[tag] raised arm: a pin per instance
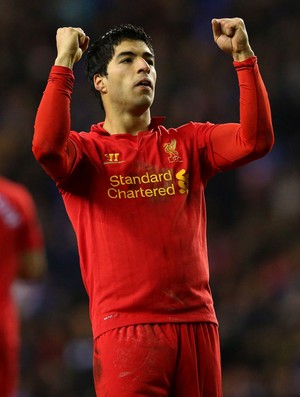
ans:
(235, 144)
(51, 146)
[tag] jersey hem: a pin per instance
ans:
(134, 320)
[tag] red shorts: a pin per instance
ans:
(161, 360)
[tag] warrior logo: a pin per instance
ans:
(112, 158)
(170, 148)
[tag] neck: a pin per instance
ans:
(127, 123)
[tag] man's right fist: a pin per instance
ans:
(71, 44)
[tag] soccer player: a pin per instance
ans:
(134, 192)
(21, 256)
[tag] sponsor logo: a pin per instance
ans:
(183, 181)
(148, 185)
(170, 148)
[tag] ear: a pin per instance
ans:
(100, 83)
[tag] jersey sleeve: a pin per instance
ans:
(233, 144)
(31, 236)
(51, 145)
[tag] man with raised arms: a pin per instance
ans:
(143, 252)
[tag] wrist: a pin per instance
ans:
(243, 55)
(64, 60)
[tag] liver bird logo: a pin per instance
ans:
(170, 148)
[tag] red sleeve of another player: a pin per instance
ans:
(31, 236)
(51, 146)
(233, 144)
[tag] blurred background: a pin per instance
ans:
(253, 212)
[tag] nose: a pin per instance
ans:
(143, 66)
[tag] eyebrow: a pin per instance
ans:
(146, 54)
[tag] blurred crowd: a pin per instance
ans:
(253, 212)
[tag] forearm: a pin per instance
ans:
(236, 144)
(52, 125)
(255, 113)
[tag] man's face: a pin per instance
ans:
(131, 77)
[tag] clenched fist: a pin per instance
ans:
(71, 44)
(231, 36)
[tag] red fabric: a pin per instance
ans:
(9, 350)
(137, 202)
(176, 360)
(19, 232)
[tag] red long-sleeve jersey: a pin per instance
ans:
(137, 202)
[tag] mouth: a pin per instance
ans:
(144, 83)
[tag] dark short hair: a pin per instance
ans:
(102, 50)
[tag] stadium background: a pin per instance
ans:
(253, 228)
